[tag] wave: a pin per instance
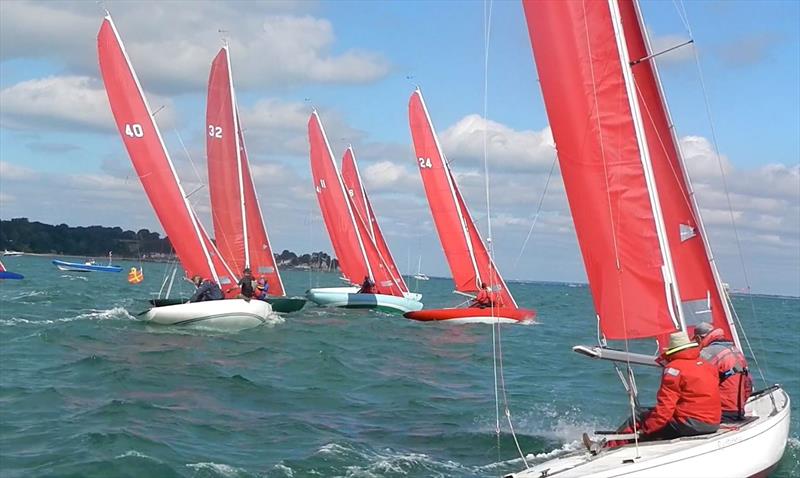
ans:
(217, 469)
(116, 313)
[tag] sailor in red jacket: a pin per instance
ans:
(687, 403)
(735, 384)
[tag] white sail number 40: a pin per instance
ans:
(215, 131)
(134, 130)
(424, 162)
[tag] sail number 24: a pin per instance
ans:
(424, 162)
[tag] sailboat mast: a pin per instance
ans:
(668, 269)
(687, 180)
(238, 157)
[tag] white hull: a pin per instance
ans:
(751, 450)
(229, 314)
(348, 297)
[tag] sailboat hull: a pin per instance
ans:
(229, 314)
(503, 315)
(751, 449)
(349, 298)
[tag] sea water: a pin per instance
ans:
(88, 390)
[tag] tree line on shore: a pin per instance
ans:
(20, 234)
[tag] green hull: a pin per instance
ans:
(279, 304)
(286, 304)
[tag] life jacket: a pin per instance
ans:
(135, 276)
(689, 391)
(735, 384)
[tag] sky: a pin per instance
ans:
(357, 62)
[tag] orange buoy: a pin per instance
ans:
(135, 276)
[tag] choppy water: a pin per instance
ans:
(87, 390)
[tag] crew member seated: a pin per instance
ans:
(206, 290)
(367, 287)
(687, 402)
(735, 384)
(486, 298)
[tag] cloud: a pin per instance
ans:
(510, 149)
(64, 103)
(171, 46)
(662, 43)
(748, 50)
(13, 172)
(47, 147)
(388, 175)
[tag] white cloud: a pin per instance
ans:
(69, 103)
(171, 44)
(513, 150)
(388, 175)
(14, 172)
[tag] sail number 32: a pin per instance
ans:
(215, 131)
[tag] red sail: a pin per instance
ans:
(238, 226)
(466, 254)
(363, 208)
(357, 258)
(700, 296)
(153, 165)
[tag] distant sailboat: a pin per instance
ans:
(419, 275)
(645, 249)
(359, 257)
(466, 254)
(196, 252)
(239, 229)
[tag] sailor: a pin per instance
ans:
(206, 290)
(262, 286)
(367, 287)
(687, 403)
(485, 297)
(735, 384)
(246, 289)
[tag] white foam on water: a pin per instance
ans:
(116, 313)
(284, 469)
(386, 461)
(220, 468)
(74, 277)
(136, 454)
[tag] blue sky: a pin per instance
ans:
(358, 62)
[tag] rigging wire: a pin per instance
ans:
(538, 211)
(497, 348)
(681, 7)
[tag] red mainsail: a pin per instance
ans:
(363, 208)
(358, 258)
(641, 237)
(466, 253)
(238, 225)
(142, 139)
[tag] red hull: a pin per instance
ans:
(472, 315)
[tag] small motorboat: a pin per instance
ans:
(7, 253)
(87, 266)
